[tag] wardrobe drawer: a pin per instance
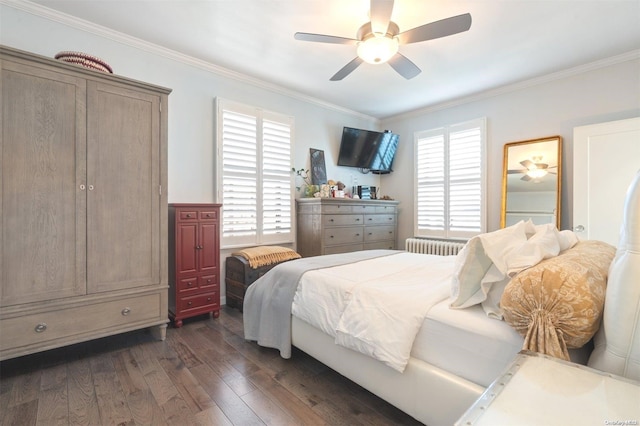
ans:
(342, 219)
(45, 326)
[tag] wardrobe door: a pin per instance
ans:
(123, 200)
(42, 173)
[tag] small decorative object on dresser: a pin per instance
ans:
(194, 257)
(242, 268)
(342, 225)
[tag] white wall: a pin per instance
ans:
(191, 104)
(550, 106)
(195, 86)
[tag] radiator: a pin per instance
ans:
(427, 246)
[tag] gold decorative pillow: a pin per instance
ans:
(558, 303)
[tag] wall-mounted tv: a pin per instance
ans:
(368, 149)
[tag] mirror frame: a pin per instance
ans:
(505, 169)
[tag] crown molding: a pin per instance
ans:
(508, 88)
(90, 27)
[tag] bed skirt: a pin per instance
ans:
(427, 393)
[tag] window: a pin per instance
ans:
(450, 181)
(254, 175)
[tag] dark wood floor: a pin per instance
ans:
(205, 373)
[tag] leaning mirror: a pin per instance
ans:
(531, 181)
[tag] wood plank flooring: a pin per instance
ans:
(204, 373)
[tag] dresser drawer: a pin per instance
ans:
(65, 323)
(203, 301)
(208, 282)
(208, 214)
(364, 209)
(336, 208)
(345, 248)
(380, 219)
(382, 245)
(342, 219)
(375, 233)
(188, 215)
(354, 234)
(385, 209)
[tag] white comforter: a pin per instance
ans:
(375, 306)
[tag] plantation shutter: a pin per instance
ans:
(450, 181)
(254, 175)
(277, 201)
(430, 178)
(465, 181)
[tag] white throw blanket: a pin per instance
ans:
(375, 307)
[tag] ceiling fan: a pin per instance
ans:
(377, 41)
(533, 170)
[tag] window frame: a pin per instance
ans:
(259, 237)
(445, 133)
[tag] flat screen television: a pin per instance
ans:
(368, 149)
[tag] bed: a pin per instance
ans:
(456, 337)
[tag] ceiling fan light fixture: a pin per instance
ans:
(378, 49)
(536, 173)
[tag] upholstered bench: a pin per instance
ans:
(244, 267)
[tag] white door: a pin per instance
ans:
(606, 157)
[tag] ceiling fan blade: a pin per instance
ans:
(526, 178)
(347, 69)
(404, 66)
(322, 38)
(511, 172)
(528, 164)
(437, 29)
(380, 15)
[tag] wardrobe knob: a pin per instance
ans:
(41, 327)
(126, 311)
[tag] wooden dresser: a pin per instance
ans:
(83, 206)
(341, 225)
(194, 261)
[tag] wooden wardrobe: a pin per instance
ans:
(83, 213)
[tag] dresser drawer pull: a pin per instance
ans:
(189, 303)
(126, 311)
(330, 220)
(208, 299)
(188, 215)
(40, 327)
(357, 219)
(189, 284)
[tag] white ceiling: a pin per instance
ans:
(509, 41)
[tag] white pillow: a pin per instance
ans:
(471, 265)
(476, 258)
(542, 245)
